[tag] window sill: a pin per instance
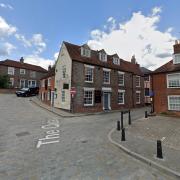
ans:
(88, 81)
(87, 105)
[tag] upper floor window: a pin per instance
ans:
(121, 78)
(11, 70)
(103, 56)
(22, 71)
(176, 59)
(138, 81)
(116, 60)
(106, 76)
(64, 71)
(49, 81)
(174, 103)
(89, 73)
(173, 80)
(32, 74)
(85, 52)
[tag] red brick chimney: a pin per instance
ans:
(133, 59)
(177, 47)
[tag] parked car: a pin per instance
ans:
(25, 92)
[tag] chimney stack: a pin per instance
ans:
(133, 59)
(49, 67)
(177, 47)
(21, 60)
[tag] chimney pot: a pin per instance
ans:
(21, 60)
(133, 59)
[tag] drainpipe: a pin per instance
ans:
(153, 95)
(132, 91)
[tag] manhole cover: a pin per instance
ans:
(22, 134)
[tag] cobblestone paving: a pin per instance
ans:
(83, 153)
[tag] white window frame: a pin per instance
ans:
(85, 69)
(11, 80)
(175, 58)
(63, 96)
(120, 73)
(116, 61)
(138, 92)
(123, 92)
(109, 71)
(64, 72)
(31, 83)
(89, 90)
(139, 82)
(22, 71)
(103, 56)
(21, 83)
(49, 81)
(11, 70)
(169, 106)
(178, 80)
(85, 52)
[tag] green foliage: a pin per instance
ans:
(4, 81)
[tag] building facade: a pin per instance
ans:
(101, 81)
(166, 85)
(46, 91)
(22, 74)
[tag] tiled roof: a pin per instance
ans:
(50, 73)
(168, 67)
(75, 54)
(17, 64)
(145, 71)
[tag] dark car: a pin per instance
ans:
(25, 92)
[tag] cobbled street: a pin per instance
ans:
(79, 150)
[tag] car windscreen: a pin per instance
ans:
(24, 89)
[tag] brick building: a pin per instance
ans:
(102, 82)
(46, 91)
(147, 85)
(22, 74)
(166, 85)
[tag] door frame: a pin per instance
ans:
(109, 100)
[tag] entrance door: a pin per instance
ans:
(106, 101)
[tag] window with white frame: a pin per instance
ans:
(32, 74)
(49, 81)
(138, 97)
(121, 78)
(116, 60)
(85, 52)
(176, 59)
(63, 96)
(11, 70)
(64, 71)
(106, 76)
(22, 71)
(89, 73)
(11, 82)
(31, 83)
(138, 80)
(88, 97)
(121, 96)
(174, 103)
(22, 83)
(103, 56)
(173, 80)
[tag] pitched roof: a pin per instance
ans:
(17, 64)
(50, 73)
(168, 67)
(75, 54)
(145, 71)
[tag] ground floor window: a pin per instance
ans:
(22, 83)
(11, 82)
(88, 97)
(121, 97)
(63, 98)
(174, 103)
(138, 97)
(31, 83)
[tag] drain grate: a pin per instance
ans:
(22, 134)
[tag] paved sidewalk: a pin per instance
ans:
(142, 136)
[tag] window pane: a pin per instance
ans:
(88, 97)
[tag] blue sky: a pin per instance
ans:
(35, 29)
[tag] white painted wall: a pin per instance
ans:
(63, 60)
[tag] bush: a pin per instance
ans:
(4, 81)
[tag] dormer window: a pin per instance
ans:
(85, 51)
(103, 56)
(176, 59)
(116, 60)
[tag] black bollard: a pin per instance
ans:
(129, 117)
(123, 138)
(122, 126)
(118, 126)
(146, 114)
(159, 150)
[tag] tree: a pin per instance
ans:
(4, 81)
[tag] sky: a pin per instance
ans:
(35, 29)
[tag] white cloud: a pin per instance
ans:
(39, 61)
(6, 6)
(6, 29)
(56, 55)
(6, 49)
(139, 35)
(22, 38)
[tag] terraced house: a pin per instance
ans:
(101, 81)
(22, 74)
